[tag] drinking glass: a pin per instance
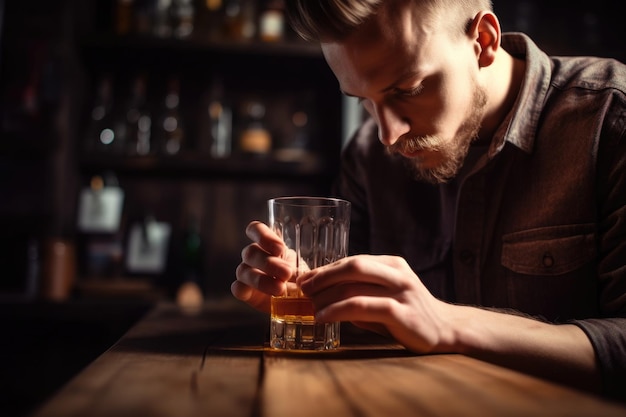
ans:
(315, 231)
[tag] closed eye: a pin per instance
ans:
(410, 92)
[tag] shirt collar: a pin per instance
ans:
(520, 126)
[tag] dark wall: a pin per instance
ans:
(564, 27)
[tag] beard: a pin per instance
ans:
(451, 152)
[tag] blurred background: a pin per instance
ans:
(139, 137)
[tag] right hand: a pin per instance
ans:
(263, 271)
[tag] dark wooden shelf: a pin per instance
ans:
(199, 165)
(299, 49)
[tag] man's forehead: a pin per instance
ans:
(376, 48)
(376, 68)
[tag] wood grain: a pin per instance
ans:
(388, 384)
(213, 363)
(172, 363)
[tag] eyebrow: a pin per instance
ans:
(399, 80)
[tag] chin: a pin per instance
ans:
(433, 171)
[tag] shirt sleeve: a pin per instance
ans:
(608, 333)
(608, 337)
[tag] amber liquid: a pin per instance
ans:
(293, 306)
(293, 326)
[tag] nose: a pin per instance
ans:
(391, 125)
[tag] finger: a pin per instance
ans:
(259, 280)
(255, 257)
(359, 309)
(345, 291)
(363, 268)
(249, 295)
(261, 234)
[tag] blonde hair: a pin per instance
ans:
(318, 20)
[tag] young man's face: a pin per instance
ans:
(420, 85)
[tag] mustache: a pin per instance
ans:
(407, 145)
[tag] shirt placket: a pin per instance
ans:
(468, 242)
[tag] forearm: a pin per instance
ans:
(561, 353)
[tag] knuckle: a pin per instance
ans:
(387, 307)
(240, 271)
(253, 230)
(356, 265)
(245, 252)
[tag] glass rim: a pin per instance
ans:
(309, 201)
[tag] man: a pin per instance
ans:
(490, 178)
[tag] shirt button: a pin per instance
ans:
(466, 257)
(548, 260)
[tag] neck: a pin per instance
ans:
(503, 80)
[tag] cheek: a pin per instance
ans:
(436, 109)
(428, 115)
(455, 103)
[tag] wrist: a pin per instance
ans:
(460, 332)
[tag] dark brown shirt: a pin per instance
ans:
(537, 221)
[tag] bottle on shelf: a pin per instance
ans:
(255, 138)
(21, 110)
(239, 19)
(296, 143)
(210, 18)
(295, 146)
(138, 119)
(107, 130)
(217, 123)
(124, 16)
(272, 21)
(101, 226)
(184, 14)
(171, 127)
(144, 12)
(162, 24)
(190, 292)
(193, 247)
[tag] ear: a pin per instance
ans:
(485, 32)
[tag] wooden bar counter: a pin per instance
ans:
(213, 363)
